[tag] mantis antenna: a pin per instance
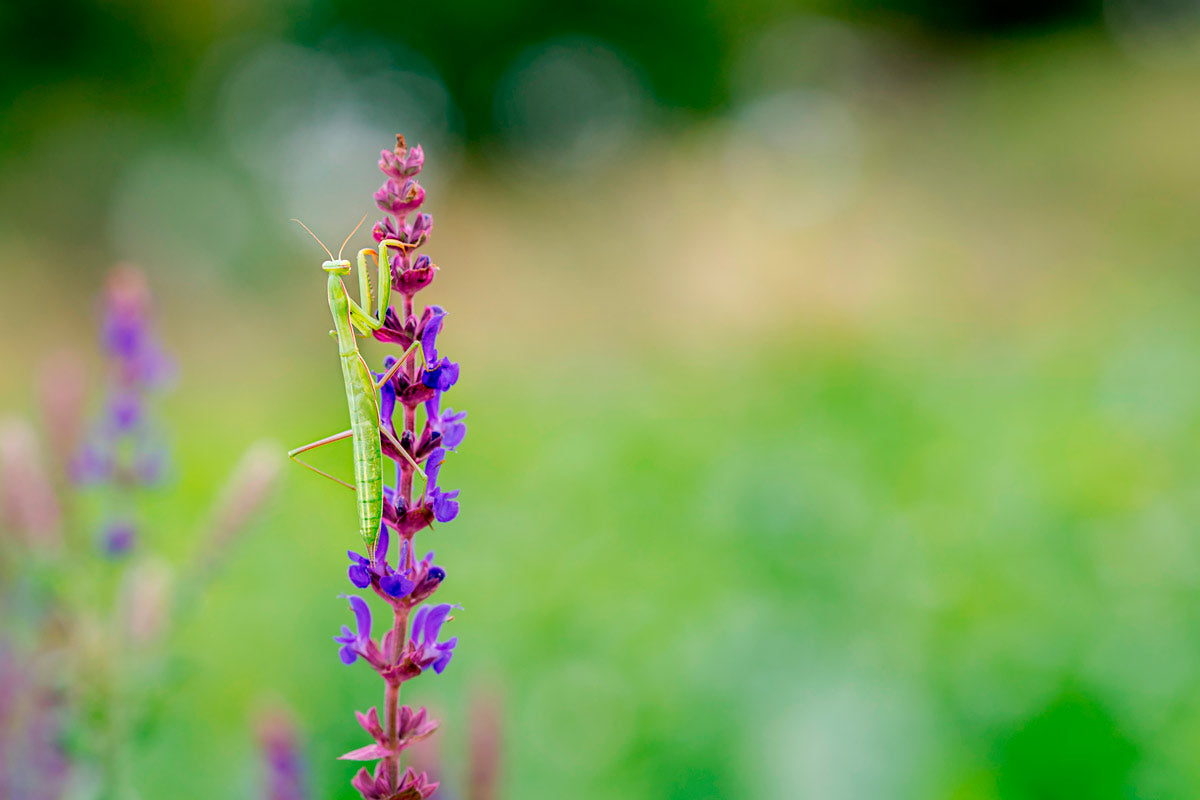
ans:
(356, 227)
(310, 233)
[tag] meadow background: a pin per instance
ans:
(833, 373)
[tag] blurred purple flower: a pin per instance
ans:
(118, 538)
(284, 763)
(123, 448)
(33, 763)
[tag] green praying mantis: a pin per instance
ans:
(362, 398)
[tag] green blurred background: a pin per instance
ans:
(833, 372)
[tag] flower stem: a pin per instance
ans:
(391, 695)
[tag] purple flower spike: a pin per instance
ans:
(407, 583)
(122, 448)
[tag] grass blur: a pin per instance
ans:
(895, 503)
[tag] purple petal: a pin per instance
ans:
(433, 624)
(433, 465)
(359, 576)
(362, 614)
(421, 226)
(419, 620)
(381, 545)
(371, 752)
(453, 435)
(444, 659)
(441, 376)
(415, 160)
(370, 722)
(387, 402)
(390, 164)
(445, 506)
(385, 229)
(432, 328)
(396, 585)
(364, 783)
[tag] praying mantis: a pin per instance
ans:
(362, 398)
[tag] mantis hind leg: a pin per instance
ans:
(415, 347)
(337, 437)
(396, 444)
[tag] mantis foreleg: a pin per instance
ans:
(359, 312)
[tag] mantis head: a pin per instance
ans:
(339, 265)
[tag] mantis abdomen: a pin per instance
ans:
(368, 458)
